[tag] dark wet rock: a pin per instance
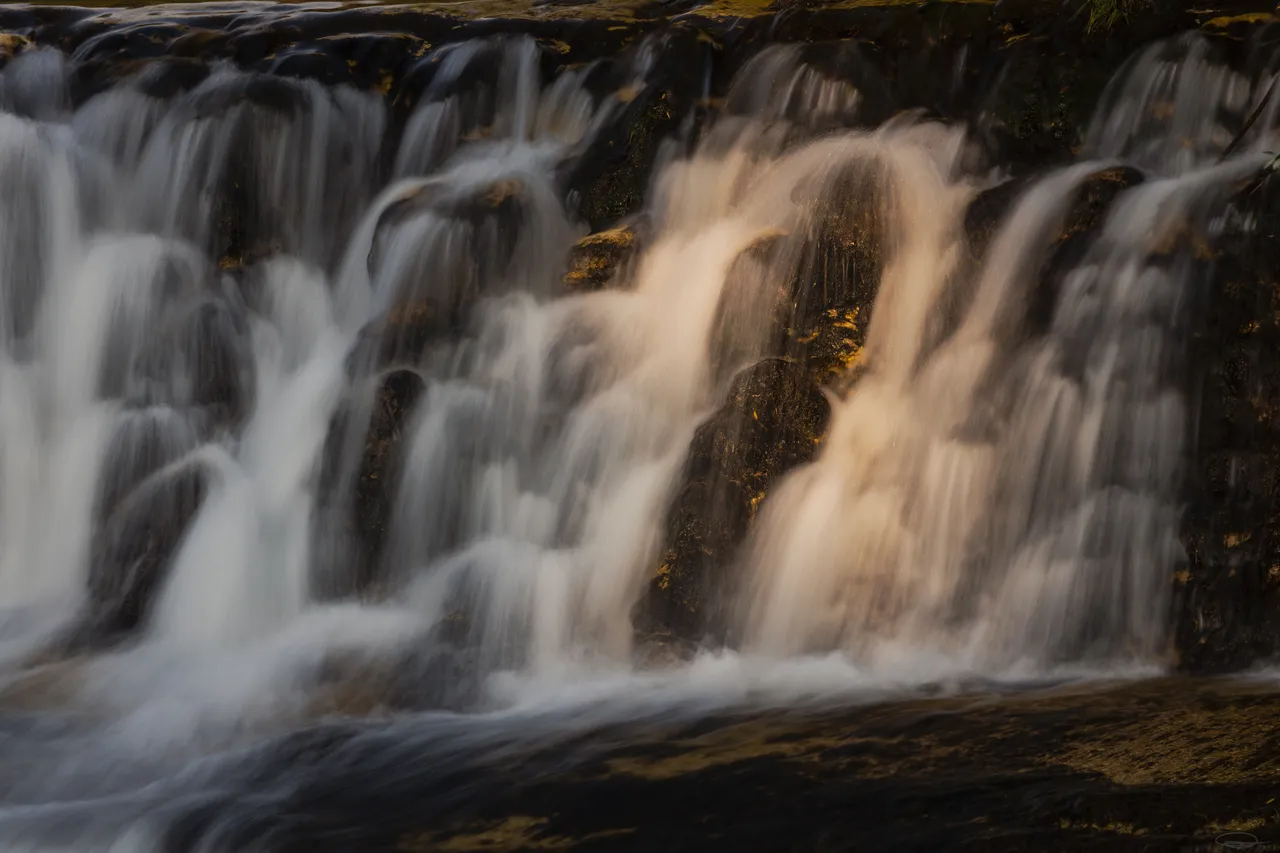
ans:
(1228, 613)
(596, 259)
(1093, 200)
(492, 216)
(304, 63)
(382, 462)
(265, 188)
(201, 359)
(772, 420)
(145, 441)
(1168, 765)
(273, 94)
(364, 60)
(424, 675)
(759, 293)
(502, 204)
(12, 44)
(440, 254)
(171, 77)
(655, 651)
(399, 337)
(609, 180)
(608, 177)
(837, 273)
(470, 93)
(363, 461)
(1084, 219)
(988, 211)
(414, 202)
(133, 552)
(832, 310)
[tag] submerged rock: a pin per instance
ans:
(145, 441)
(202, 359)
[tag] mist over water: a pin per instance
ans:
(996, 497)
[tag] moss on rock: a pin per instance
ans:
(596, 259)
(770, 422)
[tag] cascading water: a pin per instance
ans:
(208, 298)
(1008, 496)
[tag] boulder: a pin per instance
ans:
(773, 419)
(439, 253)
(398, 338)
(131, 554)
(145, 441)
(608, 176)
(202, 360)
(1081, 226)
(364, 60)
(596, 259)
(12, 44)
(171, 77)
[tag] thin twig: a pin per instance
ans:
(1248, 125)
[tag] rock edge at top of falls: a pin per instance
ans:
(598, 27)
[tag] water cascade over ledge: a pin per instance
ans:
(300, 418)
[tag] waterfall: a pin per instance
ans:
(1008, 496)
(234, 305)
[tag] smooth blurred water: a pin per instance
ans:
(188, 287)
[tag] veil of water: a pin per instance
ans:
(205, 295)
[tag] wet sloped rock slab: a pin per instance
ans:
(1165, 765)
(1230, 593)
